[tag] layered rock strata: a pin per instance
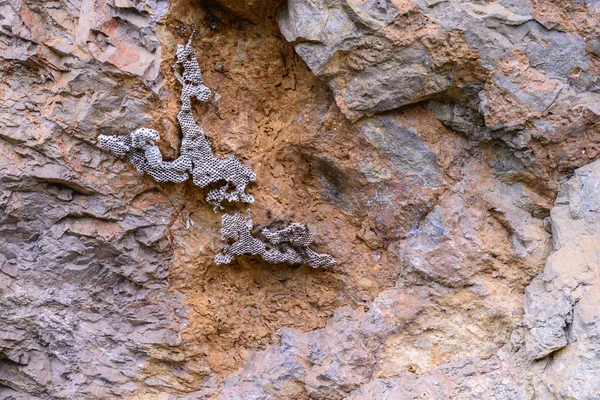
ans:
(437, 148)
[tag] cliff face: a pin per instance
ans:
(442, 151)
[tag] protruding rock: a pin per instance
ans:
(561, 304)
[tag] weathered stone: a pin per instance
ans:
(561, 310)
(328, 363)
(404, 148)
(521, 74)
(346, 43)
(427, 161)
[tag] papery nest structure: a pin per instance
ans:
(196, 155)
(196, 158)
(288, 245)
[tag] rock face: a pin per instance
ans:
(561, 304)
(441, 151)
(85, 266)
(494, 69)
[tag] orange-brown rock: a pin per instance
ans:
(424, 143)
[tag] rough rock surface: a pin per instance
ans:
(561, 304)
(424, 142)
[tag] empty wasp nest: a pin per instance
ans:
(196, 154)
(289, 245)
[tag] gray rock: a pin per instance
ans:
(404, 148)
(83, 291)
(561, 304)
(327, 363)
(341, 42)
(397, 57)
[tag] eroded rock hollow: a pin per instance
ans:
(443, 152)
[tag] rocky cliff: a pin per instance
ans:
(443, 152)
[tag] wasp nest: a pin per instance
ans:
(196, 155)
(288, 245)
